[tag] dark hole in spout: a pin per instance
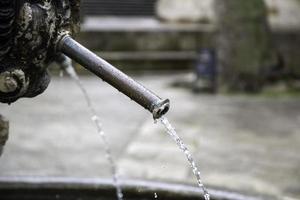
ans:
(163, 111)
(161, 108)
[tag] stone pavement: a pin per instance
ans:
(242, 143)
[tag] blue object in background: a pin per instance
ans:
(206, 66)
(206, 71)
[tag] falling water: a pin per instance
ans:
(172, 132)
(72, 73)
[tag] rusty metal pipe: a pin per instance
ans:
(114, 77)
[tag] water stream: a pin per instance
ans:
(72, 73)
(164, 121)
(172, 132)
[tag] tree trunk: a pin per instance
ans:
(245, 51)
(3, 133)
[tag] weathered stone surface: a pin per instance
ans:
(3, 133)
(184, 10)
(246, 52)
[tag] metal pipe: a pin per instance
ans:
(114, 77)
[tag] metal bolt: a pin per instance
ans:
(8, 83)
(11, 84)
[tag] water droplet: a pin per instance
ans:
(95, 118)
(206, 196)
(155, 195)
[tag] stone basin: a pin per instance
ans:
(92, 189)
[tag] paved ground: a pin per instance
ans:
(248, 144)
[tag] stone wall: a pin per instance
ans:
(148, 50)
(185, 10)
(183, 29)
(288, 43)
(132, 42)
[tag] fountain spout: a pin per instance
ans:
(134, 90)
(35, 34)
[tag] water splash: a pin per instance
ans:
(155, 195)
(67, 64)
(172, 132)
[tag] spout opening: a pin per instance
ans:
(161, 108)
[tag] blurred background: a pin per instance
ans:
(231, 70)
